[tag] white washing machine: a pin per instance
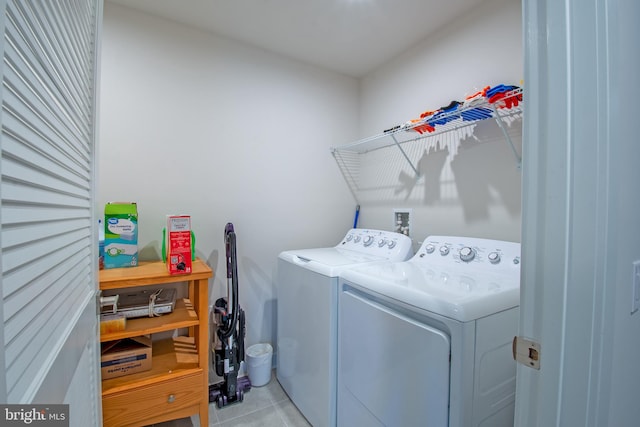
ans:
(427, 342)
(307, 315)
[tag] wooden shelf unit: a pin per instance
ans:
(177, 385)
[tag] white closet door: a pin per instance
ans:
(47, 213)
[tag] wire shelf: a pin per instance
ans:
(404, 138)
(443, 123)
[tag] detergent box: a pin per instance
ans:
(179, 244)
(125, 356)
(120, 235)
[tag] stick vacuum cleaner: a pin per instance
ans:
(229, 347)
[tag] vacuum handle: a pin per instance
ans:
(230, 240)
(232, 284)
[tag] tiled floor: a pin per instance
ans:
(266, 406)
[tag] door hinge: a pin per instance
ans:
(527, 352)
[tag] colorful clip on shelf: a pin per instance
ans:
(477, 113)
(444, 114)
(472, 109)
(503, 96)
(416, 125)
(469, 113)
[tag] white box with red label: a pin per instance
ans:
(179, 250)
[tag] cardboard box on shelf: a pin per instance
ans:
(125, 356)
(120, 235)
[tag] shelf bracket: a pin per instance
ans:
(506, 135)
(350, 179)
(405, 155)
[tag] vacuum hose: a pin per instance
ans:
(226, 330)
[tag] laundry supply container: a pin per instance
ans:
(258, 358)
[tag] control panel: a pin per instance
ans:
(449, 250)
(376, 242)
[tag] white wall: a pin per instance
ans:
(196, 124)
(484, 47)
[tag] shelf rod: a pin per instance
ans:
(405, 155)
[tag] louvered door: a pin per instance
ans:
(47, 212)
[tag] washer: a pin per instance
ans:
(428, 341)
(307, 315)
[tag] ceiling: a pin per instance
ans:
(352, 37)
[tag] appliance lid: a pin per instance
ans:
(359, 246)
(454, 293)
(328, 261)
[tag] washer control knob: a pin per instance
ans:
(467, 254)
(356, 239)
(391, 244)
(430, 248)
(494, 257)
(349, 237)
(516, 260)
(381, 243)
(368, 240)
(444, 250)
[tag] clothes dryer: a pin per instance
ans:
(428, 341)
(307, 315)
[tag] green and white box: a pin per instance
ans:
(120, 235)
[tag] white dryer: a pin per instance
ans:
(307, 315)
(427, 342)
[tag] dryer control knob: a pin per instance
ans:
(494, 257)
(516, 260)
(381, 243)
(467, 254)
(444, 250)
(391, 244)
(430, 248)
(368, 240)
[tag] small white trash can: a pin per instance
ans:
(258, 358)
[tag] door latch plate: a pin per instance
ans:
(526, 352)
